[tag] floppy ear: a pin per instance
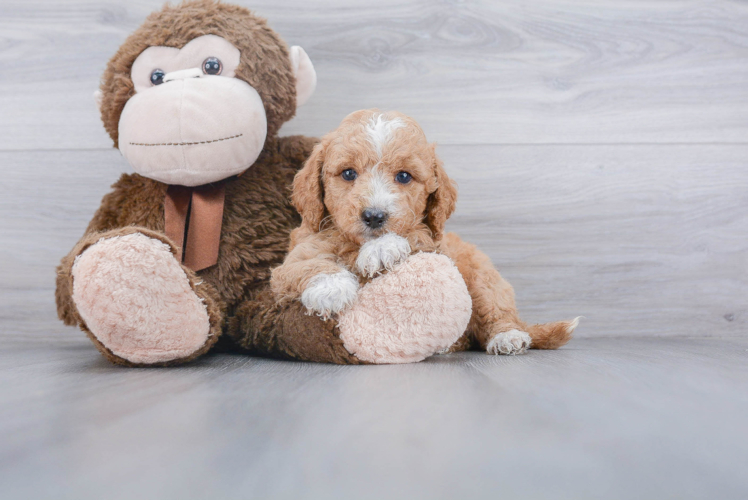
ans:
(308, 193)
(441, 202)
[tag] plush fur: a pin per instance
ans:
(334, 236)
(419, 310)
(132, 291)
(70, 315)
(257, 220)
(265, 60)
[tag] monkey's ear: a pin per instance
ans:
(308, 192)
(306, 77)
(97, 98)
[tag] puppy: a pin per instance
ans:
(372, 193)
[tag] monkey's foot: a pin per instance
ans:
(138, 302)
(419, 308)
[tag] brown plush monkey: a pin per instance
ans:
(179, 254)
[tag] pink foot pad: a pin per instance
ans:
(408, 314)
(136, 299)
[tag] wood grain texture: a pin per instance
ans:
(600, 418)
(475, 72)
(641, 240)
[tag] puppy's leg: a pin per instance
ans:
(311, 273)
(328, 294)
(382, 254)
(494, 325)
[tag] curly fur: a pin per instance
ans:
(333, 238)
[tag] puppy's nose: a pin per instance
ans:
(374, 218)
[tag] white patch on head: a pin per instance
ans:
(381, 194)
(382, 253)
(510, 343)
(380, 130)
(328, 294)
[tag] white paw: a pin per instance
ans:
(328, 294)
(382, 253)
(511, 343)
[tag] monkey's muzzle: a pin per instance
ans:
(193, 129)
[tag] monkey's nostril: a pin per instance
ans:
(374, 218)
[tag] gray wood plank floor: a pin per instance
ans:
(601, 150)
(602, 418)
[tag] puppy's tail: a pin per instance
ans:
(552, 335)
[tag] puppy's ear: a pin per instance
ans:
(308, 193)
(441, 203)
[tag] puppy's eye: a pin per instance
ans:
(212, 66)
(157, 77)
(403, 177)
(349, 174)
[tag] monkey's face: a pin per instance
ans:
(191, 120)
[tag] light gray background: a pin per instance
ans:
(601, 149)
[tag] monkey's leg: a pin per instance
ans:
(419, 308)
(284, 330)
(136, 302)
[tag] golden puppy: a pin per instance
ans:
(372, 193)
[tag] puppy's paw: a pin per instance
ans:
(328, 294)
(382, 253)
(510, 343)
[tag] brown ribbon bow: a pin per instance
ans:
(193, 218)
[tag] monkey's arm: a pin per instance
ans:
(296, 149)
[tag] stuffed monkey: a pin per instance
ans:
(179, 254)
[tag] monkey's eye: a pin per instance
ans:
(349, 175)
(157, 77)
(403, 177)
(212, 66)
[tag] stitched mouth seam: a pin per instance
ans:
(184, 143)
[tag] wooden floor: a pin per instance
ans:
(601, 149)
(617, 418)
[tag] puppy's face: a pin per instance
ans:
(375, 174)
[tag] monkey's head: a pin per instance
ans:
(193, 94)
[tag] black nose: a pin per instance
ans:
(374, 218)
